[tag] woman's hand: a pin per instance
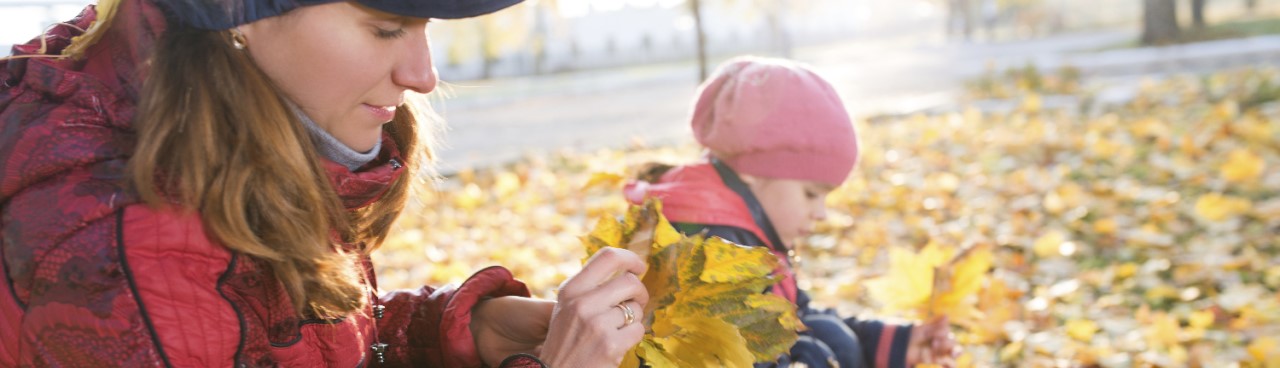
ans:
(932, 343)
(509, 325)
(588, 328)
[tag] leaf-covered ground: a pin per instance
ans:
(1139, 234)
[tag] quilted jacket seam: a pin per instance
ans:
(8, 279)
(312, 321)
(133, 288)
(231, 266)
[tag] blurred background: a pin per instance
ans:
(550, 74)
(1117, 157)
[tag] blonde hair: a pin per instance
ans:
(216, 136)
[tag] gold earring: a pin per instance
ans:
(238, 40)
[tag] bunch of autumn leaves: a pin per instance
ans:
(708, 309)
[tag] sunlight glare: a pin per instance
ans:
(574, 8)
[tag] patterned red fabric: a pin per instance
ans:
(523, 361)
(92, 278)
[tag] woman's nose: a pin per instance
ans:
(415, 70)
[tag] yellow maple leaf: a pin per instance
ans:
(1032, 103)
(706, 306)
(1011, 352)
(470, 198)
(1226, 110)
(1049, 244)
(1081, 329)
(1069, 195)
(1265, 350)
(1105, 226)
(506, 184)
(997, 304)
(1201, 319)
(780, 305)
(965, 360)
(1163, 331)
(1126, 270)
(1218, 207)
(935, 281)
(699, 341)
(1242, 166)
(652, 354)
(732, 263)
(908, 283)
(603, 179)
(606, 233)
(958, 279)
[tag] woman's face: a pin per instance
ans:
(792, 205)
(346, 66)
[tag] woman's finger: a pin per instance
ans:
(625, 314)
(630, 335)
(604, 264)
(626, 338)
(602, 300)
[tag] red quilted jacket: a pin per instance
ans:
(93, 278)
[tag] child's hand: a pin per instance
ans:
(932, 343)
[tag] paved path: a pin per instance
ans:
(498, 121)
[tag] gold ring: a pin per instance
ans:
(628, 316)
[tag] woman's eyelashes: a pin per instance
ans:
(387, 34)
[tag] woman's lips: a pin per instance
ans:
(382, 113)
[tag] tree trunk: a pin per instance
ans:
(1251, 5)
(540, 36)
(1159, 22)
(1197, 13)
(701, 42)
(960, 19)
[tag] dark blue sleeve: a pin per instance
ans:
(734, 235)
(871, 332)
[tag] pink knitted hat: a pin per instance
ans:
(776, 119)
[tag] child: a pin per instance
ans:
(778, 141)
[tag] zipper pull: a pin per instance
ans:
(379, 352)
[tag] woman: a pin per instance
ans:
(200, 182)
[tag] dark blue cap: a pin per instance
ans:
(225, 14)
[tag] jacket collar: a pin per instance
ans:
(368, 183)
(699, 194)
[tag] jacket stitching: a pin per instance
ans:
(310, 321)
(448, 302)
(8, 279)
(133, 287)
(222, 280)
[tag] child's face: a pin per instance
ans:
(792, 205)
